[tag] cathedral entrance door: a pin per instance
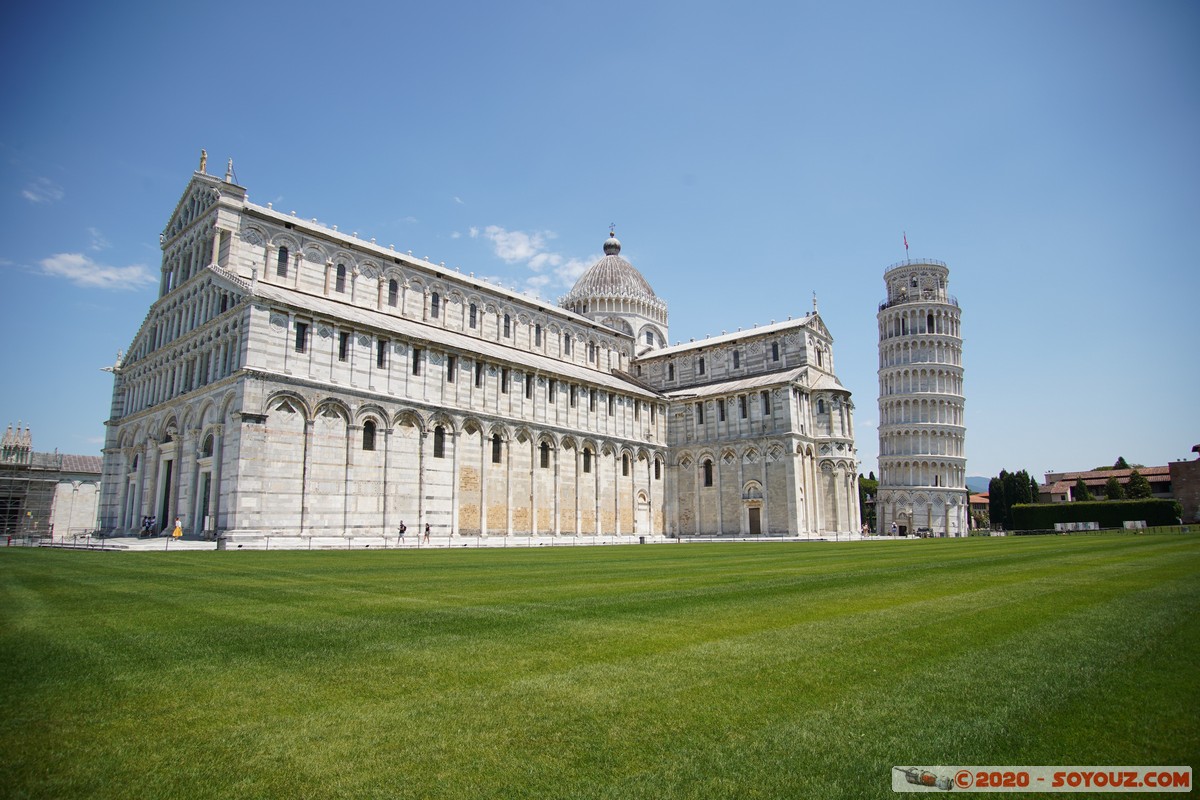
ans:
(641, 520)
(755, 520)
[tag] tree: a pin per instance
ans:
(997, 502)
(1113, 490)
(868, 488)
(1006, 491)
(1121, 463)
(1138, 487)
(1081, 491)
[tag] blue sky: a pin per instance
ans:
(749, 154)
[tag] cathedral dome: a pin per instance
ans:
(612, 276)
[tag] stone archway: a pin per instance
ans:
(641, 517)
(752, 504)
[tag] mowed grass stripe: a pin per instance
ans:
(685, 671)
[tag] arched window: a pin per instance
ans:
(435, 303)
(625, 464)
(439, 442)
(507, 326)
(340, 285)
(566, 344)
(587, 460)
(820, 406)
(495, 448)
(657, 470)
(393, 292)
(701, 365)
(537, 335)
(545, 455)
(474, 314)
(708, 472)
(368, 435)
(281, 266)
(649, 337)
(207, 450)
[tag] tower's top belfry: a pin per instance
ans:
(915, 280)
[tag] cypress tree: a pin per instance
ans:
(1113, 489)
(997, 508)
(1081, 491)
(1138, 487)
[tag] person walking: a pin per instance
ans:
(425, 538)
(178, 532)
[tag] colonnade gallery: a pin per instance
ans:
(294, 380)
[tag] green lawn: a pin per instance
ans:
(700, 671)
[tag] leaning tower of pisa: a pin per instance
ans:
(922, 456)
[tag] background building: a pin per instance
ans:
(1179, 480)
(45, 494)
(291, 379)
(922, 455)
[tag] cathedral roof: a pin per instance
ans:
(612, 276)
(725, 338)
(455, 341)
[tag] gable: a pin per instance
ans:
(818, 327)
(198, 199)
(216, 283)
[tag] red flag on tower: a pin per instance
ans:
(906, 243)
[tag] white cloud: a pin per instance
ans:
(83, 271)
(553, 272)
(455, 235)
(569, 272)
(98, 240)
(459, 200)
(43, 190)
(514, 246)
(473, 232)
(543, 260)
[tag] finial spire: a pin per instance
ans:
(229, 172)
(814, 302)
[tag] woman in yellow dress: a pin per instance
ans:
(178, 532)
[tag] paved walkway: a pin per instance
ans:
(411, 542)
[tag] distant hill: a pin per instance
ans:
(977, 483)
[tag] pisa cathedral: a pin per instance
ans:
(294, 380)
